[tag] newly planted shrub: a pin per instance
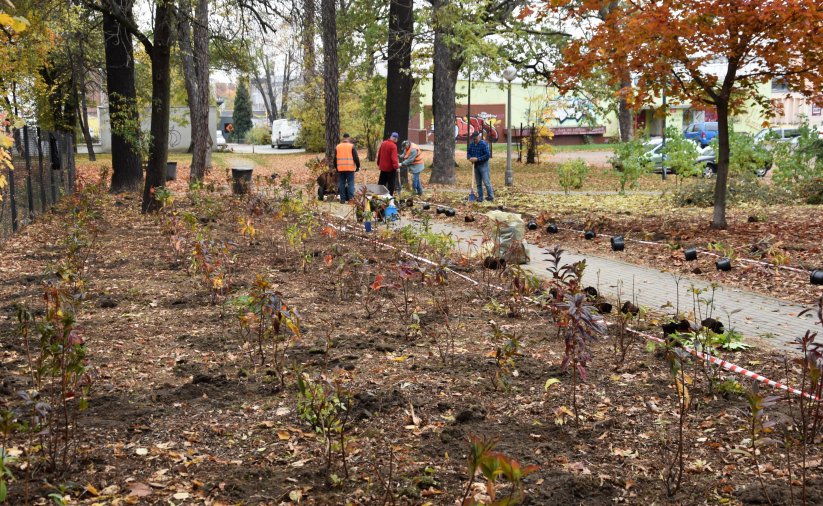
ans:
(264, 317)
(493, 466)
(325, 404)
(582, 324)
(630, 162)
(573, 174)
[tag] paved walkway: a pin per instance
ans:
(765, 321)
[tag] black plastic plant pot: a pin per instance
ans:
(468, 218)
(450, 212)
(589, 235)
(723, 264)
(532, 225)
(690, 254)
(441, 209)
(552, 228)
(171, 171)
(816, 277)
(426, 207)
(409, 202)
(240, 180)
(618, 243)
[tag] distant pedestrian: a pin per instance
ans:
(413, 159)
(347, 163)
(388, 163)
(479, 154)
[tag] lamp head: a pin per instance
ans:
(510, 73)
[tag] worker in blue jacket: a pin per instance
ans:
(479, 154)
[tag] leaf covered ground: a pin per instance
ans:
(182, 411)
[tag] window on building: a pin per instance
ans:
(779, 85)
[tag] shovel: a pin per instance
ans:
(472, 196)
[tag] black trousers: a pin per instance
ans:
(389, 180)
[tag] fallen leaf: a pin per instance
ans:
(139, 489)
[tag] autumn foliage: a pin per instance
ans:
(717, 53)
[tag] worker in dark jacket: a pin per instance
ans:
(479, 154)
(388, 162)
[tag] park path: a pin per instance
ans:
(765, 321)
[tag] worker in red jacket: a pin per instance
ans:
(388, 162)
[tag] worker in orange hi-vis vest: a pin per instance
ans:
(412, 158)
(347, 163)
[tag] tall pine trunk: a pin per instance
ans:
(193, 40)
(127, 175)
(446, 66)
(399, 80)
(331, 76)
(161, 93)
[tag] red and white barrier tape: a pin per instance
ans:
(729, 366)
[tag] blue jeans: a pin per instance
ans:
(345, 185)
(481, 179)
(418, 188)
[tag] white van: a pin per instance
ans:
(284, 133)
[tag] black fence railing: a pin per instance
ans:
(43, 172)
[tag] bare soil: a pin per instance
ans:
(180, 414)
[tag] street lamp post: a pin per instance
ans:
(509, 74)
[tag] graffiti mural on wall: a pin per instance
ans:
(490, 120)
(484, 122)
(571, 110)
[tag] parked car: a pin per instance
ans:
(702, 132)
(284, 133)
(711, 164)
(777, 134)
(654, 152)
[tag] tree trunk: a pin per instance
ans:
(719, 216)
(123, 115)
(284, 93)
(161, 93)
(193, 41)
(83, 113)
(331, 76)
(258, 83)
(624, 112)
(399, 81)
(307, 40)
(269, 89)
(446, 67)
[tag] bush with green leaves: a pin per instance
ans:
(259, 135)
(798, 162)
(573, 174)
(631, 163)
(681, 154)
(746, 157)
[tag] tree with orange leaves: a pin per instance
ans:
(715, 53)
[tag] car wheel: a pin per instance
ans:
(762, 171)
(709, 170)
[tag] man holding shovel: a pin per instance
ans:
(479, 154)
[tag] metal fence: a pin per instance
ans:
(43, 172)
